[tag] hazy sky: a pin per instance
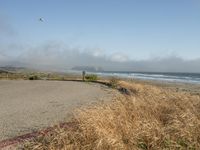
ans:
(112, 30)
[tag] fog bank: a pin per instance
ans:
(55, 56)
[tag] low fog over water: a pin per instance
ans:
(56, 56)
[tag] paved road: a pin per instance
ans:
(26, 106)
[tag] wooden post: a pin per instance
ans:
(83, 75)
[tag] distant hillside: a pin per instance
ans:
(11, 69)
(88, 68)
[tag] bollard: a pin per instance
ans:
(83, 75)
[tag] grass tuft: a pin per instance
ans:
(34, 77)
(91, 77)
(114, 82)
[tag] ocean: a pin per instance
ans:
(167, 77)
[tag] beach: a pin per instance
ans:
(174, 86)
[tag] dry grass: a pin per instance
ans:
(39, 76)
(151, 118)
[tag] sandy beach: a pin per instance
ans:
(26, 106)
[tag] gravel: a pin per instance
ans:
(26, 106)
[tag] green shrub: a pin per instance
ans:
(91, 77)
(34, 77)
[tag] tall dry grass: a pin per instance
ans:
(150, 118)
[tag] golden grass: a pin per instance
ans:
(150, 118)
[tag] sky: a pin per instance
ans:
(131, 35)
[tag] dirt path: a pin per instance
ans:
(26, 106)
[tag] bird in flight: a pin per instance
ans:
(41, 19)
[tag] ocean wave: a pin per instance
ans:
(168, 77)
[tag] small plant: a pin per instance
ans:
(114, 82)
(142, 146)
(91, 77)
(34, 77)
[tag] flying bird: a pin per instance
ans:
(41, 19)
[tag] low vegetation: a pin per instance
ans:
(91, 77)
(39, 76)
(149, 118)
(33, 77)
(114, 82)
(12, 76)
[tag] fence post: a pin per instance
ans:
(83, 75)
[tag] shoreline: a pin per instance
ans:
(194, 88)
